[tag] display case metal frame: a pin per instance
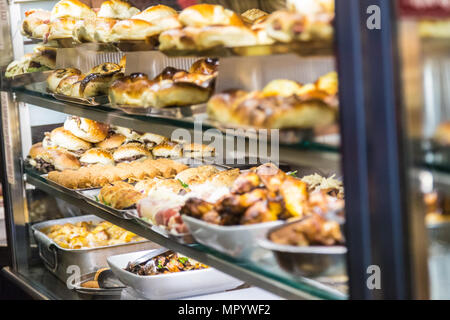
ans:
(372, 142)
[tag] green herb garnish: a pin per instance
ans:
(293, 174)
(184, 185)
(183, 260)
(97, 199)
(159, 265)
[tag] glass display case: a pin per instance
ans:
(381, 146)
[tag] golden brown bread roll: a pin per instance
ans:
(155, 13)
(196, 175)
(196, 150)
(36, 23)
(227, 36)
(62, 28)
(131, 152)
(112, 142)
(117, 9)
(179, 39)
(201, 15)
(46, 160)
(120, 195)
(65, 139)
(137, 90)
(96, 156)
(86, 129)
(56, 76)
(71, 8)
(168, 149)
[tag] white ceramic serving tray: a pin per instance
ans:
(174, 285)
(240, 242)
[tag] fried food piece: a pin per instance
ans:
(295, 195)
(120, 195)
(259, 212)
(245, 183)
(271, 176)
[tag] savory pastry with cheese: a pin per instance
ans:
(62, 28)
(117, 9)
(120, 195)
(96, 156)
(36, 23)
(202, 15)
(46, 160)
(86, 129)
(155, 13)
(131, 152)
(282, 104)
(71, 8)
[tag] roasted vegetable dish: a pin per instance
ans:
(168, 262)
(87, 234)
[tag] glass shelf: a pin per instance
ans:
(264, 273)
(305, 153)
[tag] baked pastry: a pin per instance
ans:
(96, 156)
(442, 134)
(253, 15)
(67, 84)
(46, 160)
(130, 134)
(56, 76)
(196, 150)
(98, 175)
(202, 15)
(71, 8)
(179, 39)
(281, 104)
(131, 152)
(196, 175)
(137, 90)
(227, 36)
(62, 28)
(155, 13)
(168, 149)
(150, 140)
(112, 142)
(60, 137)
(177, 166)
(207, 66)
(311, 7)
(120, 195)
(117, 9)
(136, 29)
(36, 23)
(86, 129)
(286, 26)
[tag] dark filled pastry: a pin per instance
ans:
(71, 82)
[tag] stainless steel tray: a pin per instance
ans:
(41, 87)
(104, 292)
(302, 48)
(169, 112)
(60, 261)
(307, 261)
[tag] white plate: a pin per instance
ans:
(174, 285)
(240, 242)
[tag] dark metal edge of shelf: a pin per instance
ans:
(240, 272)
